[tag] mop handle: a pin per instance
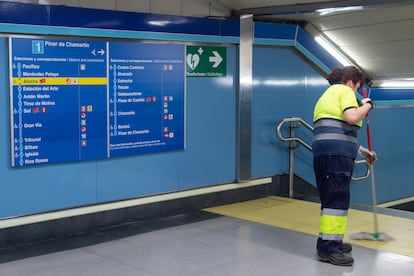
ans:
(371, 161)
(371, 166)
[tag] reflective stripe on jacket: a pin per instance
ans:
(334, 137)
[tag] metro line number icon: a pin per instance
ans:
(38, 47)
(203, 61)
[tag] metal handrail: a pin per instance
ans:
(296, 122)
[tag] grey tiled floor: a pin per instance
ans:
(213, 245)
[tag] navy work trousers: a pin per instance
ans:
(333, 176)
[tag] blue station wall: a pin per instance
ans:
(391, 137)
(285, 84)
(209, 157)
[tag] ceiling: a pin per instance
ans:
(377, 36)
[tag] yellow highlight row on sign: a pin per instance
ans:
(59, 81)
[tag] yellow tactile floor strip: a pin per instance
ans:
(303, 216)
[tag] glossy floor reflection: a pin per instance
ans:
(200, 243)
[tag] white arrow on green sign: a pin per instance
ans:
(205, 61)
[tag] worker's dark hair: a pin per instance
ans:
(343, 75)
(335, 77)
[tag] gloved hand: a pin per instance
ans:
(366, 154)
(368, 100)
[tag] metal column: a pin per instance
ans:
(244, 105)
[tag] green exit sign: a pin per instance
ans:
(203, 61)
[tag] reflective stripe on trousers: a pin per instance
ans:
(332, 224)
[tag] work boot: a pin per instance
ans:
(346, 247)
(336, 258)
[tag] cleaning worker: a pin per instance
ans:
(338, 115)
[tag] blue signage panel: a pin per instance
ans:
(58, 100)
(146, 86)
(79, 100)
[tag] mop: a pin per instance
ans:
(376, 236)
